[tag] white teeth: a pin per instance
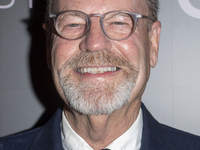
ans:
(105, 69)
(96, 70)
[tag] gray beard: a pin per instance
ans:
(97, 98)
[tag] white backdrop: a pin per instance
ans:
(172, 94)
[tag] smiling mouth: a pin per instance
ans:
(97, 70)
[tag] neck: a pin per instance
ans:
(100, 130)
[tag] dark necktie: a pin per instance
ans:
(105, 149)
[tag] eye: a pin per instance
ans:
(73, 25)
(119, 23)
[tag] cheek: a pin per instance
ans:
(62, 50)
(130, 50)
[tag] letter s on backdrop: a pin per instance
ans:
(7, 6)
(189, 9)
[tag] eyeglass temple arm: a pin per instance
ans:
(52, 15)
(142, 16)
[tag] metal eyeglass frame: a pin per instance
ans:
(134, 16)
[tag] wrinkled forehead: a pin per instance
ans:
(100, 6)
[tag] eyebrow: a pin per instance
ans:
(74, 14)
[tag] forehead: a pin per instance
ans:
(100, 6)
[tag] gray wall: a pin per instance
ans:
(26, 89)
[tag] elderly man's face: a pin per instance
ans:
(97, 75)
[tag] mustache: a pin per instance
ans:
(88, 58)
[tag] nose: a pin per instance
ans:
(95, 40)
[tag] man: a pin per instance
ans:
(100, 53)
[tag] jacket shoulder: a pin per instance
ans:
(158, 136)
(182, 140)
(19, 141)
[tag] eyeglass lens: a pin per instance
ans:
(117, 25)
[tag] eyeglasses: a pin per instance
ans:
(116, 25)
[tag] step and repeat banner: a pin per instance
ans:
(27, 94)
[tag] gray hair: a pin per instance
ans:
(48, 9)
(153, 8)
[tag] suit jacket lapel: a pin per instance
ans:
(153, 135)
(49, 137)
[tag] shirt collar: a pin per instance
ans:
(131, 139)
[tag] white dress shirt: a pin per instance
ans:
(130, 140)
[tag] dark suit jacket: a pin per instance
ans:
(155, 136)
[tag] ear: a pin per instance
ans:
(155, 39)
(44, 26)
(48, 43)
